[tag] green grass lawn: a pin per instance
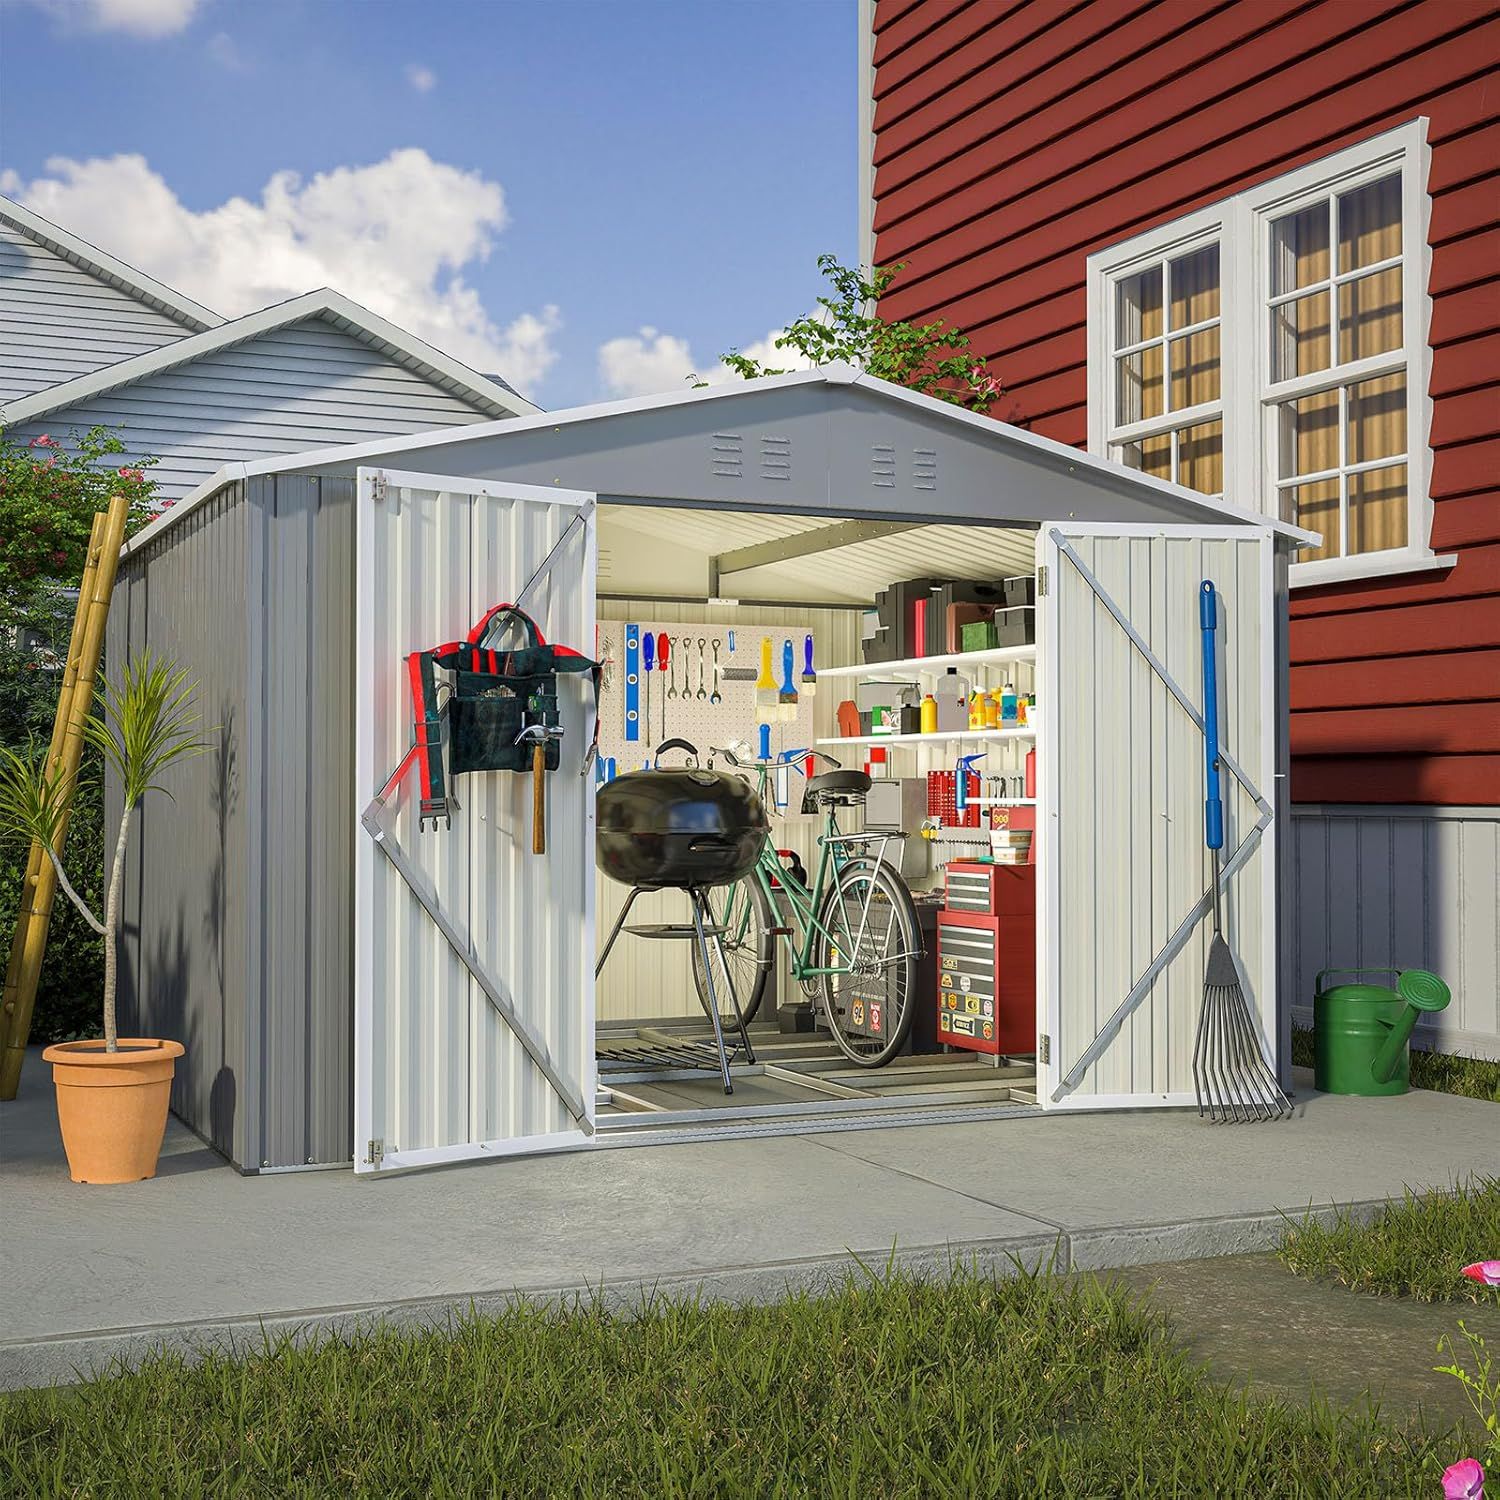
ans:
(1032, 1386)
(1472, 1077)
(1414, 1248)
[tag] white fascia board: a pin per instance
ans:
(99, 263)
(395, 342)
(1076, 458)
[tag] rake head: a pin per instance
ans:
(1229, 1073)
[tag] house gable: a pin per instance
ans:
(304, 384)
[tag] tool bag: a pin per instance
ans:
(496, 692)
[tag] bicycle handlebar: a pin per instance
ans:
(784, 758)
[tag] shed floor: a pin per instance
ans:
(665, 1076)
(201, 1253)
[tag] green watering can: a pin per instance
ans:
(1361, 1031)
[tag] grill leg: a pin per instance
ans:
(697, 902)
(614, 931)
(734, 1000)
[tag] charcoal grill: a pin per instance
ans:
(690, 829)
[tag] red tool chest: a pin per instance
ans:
(986, 958)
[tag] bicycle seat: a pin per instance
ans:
(835, 788)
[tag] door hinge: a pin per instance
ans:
(1044, 1048)
(379, 489)
(374, 1153)
(1041, 581)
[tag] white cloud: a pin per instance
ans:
(643, 363)
(421, 78)
(396, 236)
(143, 18)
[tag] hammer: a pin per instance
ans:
(538, 735)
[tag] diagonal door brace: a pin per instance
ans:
(494, 991)
(1246, 847)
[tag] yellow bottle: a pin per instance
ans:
(976, 711)
(929, 715)
(992, 711)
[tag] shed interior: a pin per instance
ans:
(698, 575)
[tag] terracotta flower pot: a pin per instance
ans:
(112, 1106)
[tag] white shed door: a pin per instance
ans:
(474, 977)
(1124, 874)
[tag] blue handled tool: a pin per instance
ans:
(1213, 805)
(632, 682)
(961, 782)
(1230, 1073)
(765, 742)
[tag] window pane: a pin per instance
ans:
(1377, 509)
(1195, 368)
(1370, 315)
(1377, 419)
(1138, 308)
(1195, 287)
(1138, 378)
(1316, 506)
(1299, 249)
(1200, 457)
(1309, 435)
(1152, 455)
(1370, 223)
(1300, 342)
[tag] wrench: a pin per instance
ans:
(702, 645)
(671, 674)
(716, 696)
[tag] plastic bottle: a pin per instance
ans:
(929, 715)
(992, 711)
(977, 711)
(1031, 772)
(951, 691)
(1008, 707)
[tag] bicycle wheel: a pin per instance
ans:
(743, 910)
(869, 933)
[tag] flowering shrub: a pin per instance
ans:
(933, 358)
(48, 496)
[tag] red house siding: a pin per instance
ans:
(1013, 138)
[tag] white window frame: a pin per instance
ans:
(1248, 400)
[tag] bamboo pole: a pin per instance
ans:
(75, 700)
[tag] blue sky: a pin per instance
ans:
(668, 165)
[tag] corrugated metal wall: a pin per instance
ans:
(189, 921)
(58, 322)
(306, 386)
(1411, 886)
(239, 907)
(447, 1071)
(1129, 796)
(645, 980)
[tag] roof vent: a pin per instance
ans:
(883, 466)
(776, 458)
(924, 468)
(726, 458)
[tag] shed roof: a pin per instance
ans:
(99, 263)
(347, 316)
(827, 441)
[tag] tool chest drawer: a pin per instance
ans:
(986, 982)
(993, 890)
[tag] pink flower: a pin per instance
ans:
(1463, 1480)
(135, 476)
(1485, 1272)
(45, 440)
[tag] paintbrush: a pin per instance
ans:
(809, 677)
(787, 698)
(766, 695)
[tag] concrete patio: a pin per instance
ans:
(202, 1255)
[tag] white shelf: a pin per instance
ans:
(1026, 732)
(1001, 802)
(932, 664)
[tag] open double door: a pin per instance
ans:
(474, 998)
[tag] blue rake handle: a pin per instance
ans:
(1213, 806)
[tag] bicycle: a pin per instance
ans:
(852, 935)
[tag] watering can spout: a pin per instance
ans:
(1423, 992)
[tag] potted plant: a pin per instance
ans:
(112, 1094)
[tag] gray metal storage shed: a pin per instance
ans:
(291, 588)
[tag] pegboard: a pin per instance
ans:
(676, 710)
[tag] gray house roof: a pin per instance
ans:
(316, 370)
(67, 308)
